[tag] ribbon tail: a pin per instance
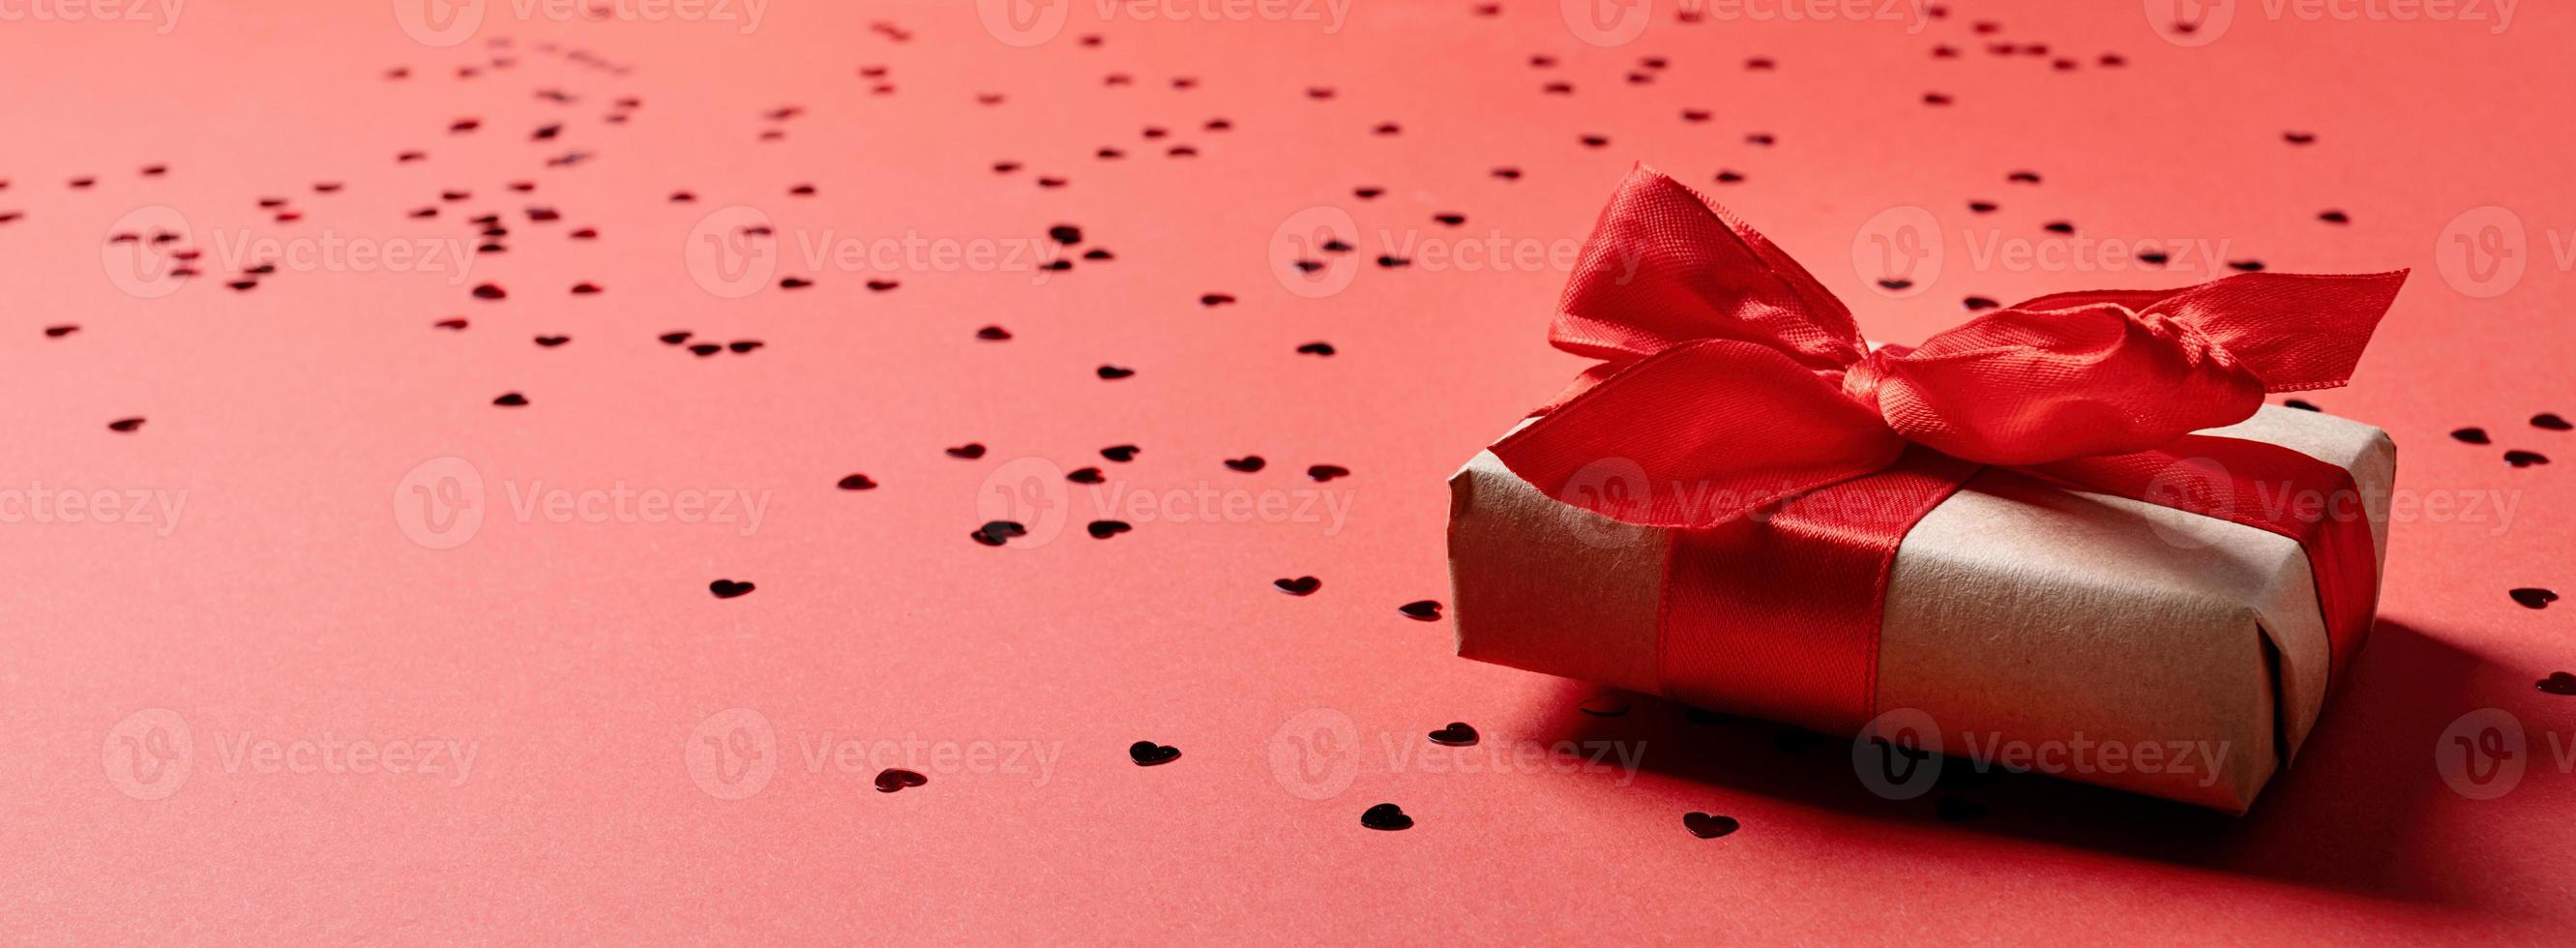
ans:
(2297, 331)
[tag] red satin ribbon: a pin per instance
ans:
(1737, 404)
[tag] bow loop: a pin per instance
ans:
(1664, 267)
(1661, 444)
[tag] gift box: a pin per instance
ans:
(2065, 536)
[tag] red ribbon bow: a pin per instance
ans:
(1732, 382)
(1729, 369)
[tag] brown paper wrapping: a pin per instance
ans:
(2013, 611)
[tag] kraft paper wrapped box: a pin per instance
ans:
(2017, 597)
(2026, 611)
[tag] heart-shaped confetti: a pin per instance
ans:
(893, 779)
(1706, 826)
(1385, 816)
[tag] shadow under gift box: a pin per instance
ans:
(2015, 611)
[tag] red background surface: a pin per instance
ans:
(289, 598)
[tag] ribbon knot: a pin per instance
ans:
(1861, 381)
